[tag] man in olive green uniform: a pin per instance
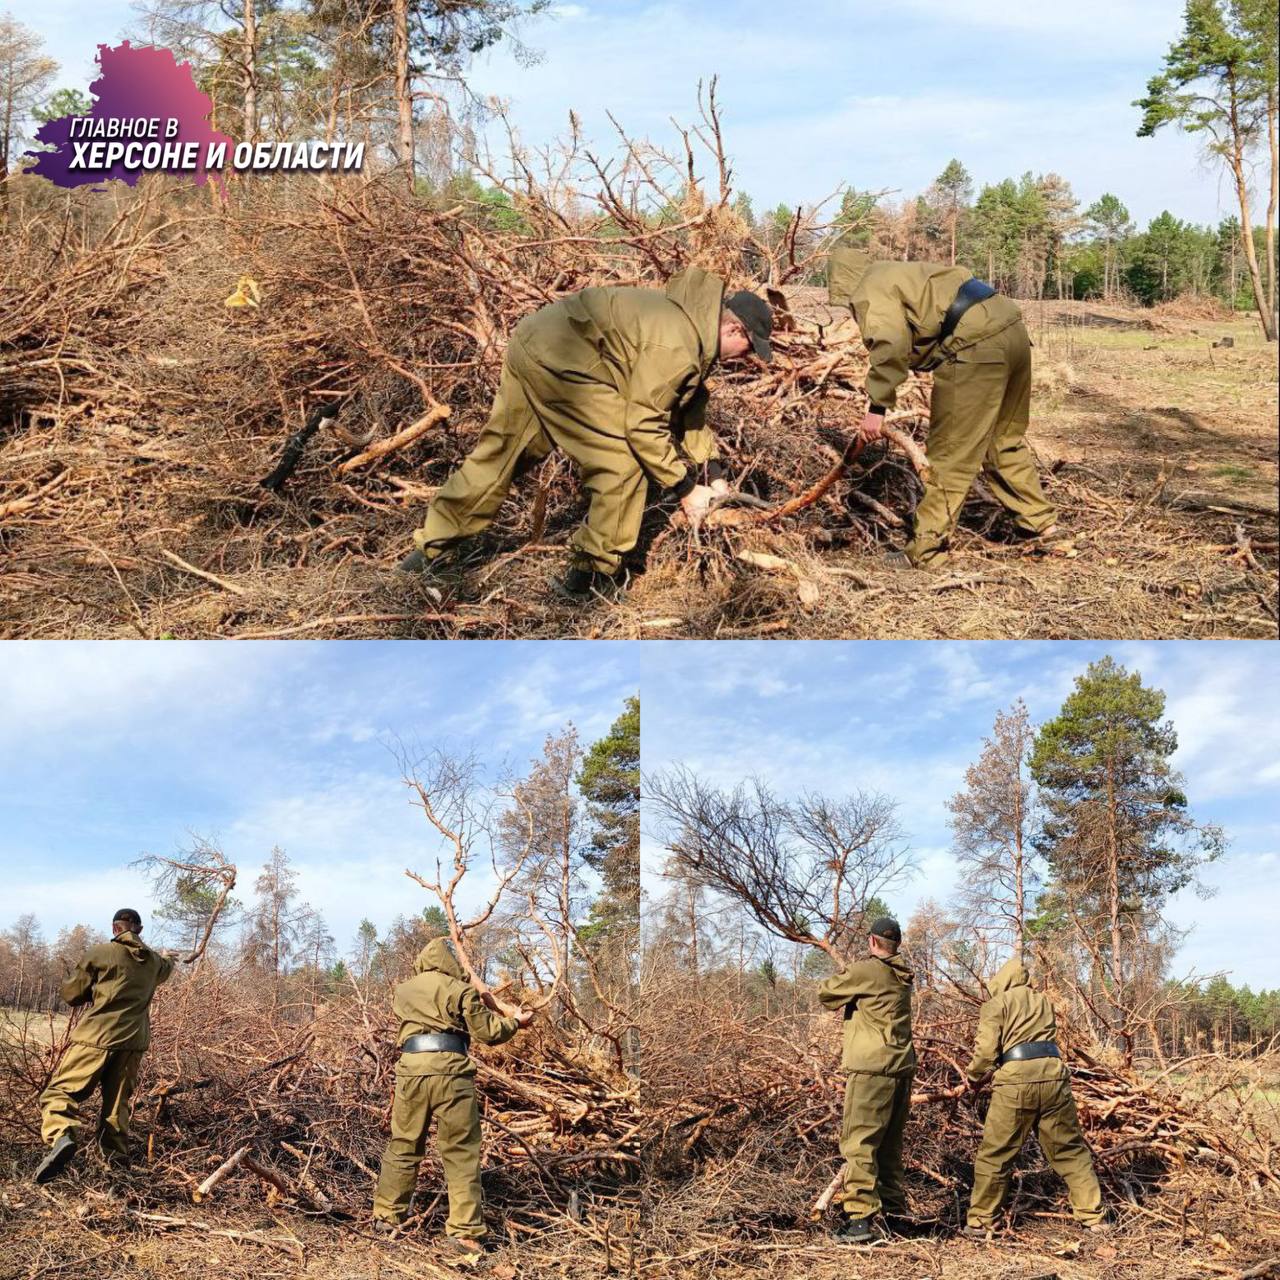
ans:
(440, 1012)
(924, 317)
(116, 980)
(616, 377)
(1031, 1088)
(878, 1054)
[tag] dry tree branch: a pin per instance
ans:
(204, 869)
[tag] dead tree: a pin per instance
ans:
(463, 810)
(991, 823)
(805, 869)
(195, 889)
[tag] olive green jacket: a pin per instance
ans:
(116, 980)
(655, 348)
(1014, 1015)
(875, 995)
(899, 307)
(439, 998)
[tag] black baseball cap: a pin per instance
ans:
(888, 929)
(757, 317)
(127, 915)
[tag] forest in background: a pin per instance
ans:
(391, 73)
(1069, 837)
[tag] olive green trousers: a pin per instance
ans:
(82, 1070)
(534, 412)
(875, 1114)
(1014, 1111)
(451, 1100)
(978, 422)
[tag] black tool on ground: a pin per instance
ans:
(437, 1042)
(1031, 1049)
(296, 446)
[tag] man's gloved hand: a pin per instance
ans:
(872, 426)
(696, 502)
(524, 1017)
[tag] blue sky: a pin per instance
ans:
(112, 750)
(869, 92)
(907, 718)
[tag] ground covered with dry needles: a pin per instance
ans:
(1186, 1155)
(259, 1135)
(259, 1138)
(139, 414)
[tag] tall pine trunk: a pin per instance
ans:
(250, 72)
(1264, 303)
(404, 88)
(1273, 145)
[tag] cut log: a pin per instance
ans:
(415, 430)
(228, 1166)
(823, 1202)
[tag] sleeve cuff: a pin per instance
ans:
(684, 486)
(877, 409)
(714, 470)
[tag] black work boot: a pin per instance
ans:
(58, 1158)
(449, 563)
(855, 1231)
(582, 582)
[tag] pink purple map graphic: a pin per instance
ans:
(136, 84)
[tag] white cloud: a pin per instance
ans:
(50, 686)
(1234, 931)
(63, 899)
(1132, 27)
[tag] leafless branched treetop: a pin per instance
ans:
(464, 810)
(194, 890)
(806, 869)
(992, 828)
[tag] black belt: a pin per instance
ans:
(969, 294)
(437, 1042)
(1031, 1049)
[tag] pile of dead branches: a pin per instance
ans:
(157, 353)
(154, 365)
(240, 1100)
(752, 1104)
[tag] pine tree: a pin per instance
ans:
(1220, 81)
(951, 192)
(991, 823)
(1110, 222)
(1118, 835)
(609, 780)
